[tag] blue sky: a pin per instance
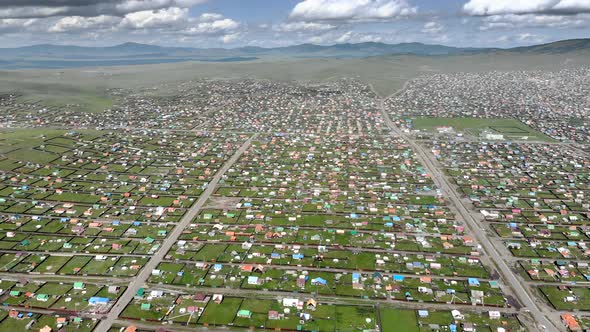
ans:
(271, 23)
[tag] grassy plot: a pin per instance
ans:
(19, 144)
(510, 128)
(65, 96)
(393, 320)
(221, 314)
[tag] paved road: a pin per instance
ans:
(146, 271)
(346, 248)
(333, 299)
(329, 269)
(429, 162)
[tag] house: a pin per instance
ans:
(247, 268)
(304, 316)
(473, 282)
(377, 277)
(301, 281)
(45, 328)
(273, 315)
(78, 285)
(423, 313)
(43, 297)
(217, 298)
(494, 314)
(140, 293)
(571, 322)
(468, 327)
(98, 300)
(244, 313)
(426, 280)
(398, 278)
(291, 302)
(356, 281)
(311, 304)
(156, 293)
(254, 280)
(425, 290)
(145, 306)
(319, 282)
(457, 314)
(113, 289)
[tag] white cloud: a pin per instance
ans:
(510, 14)
(77, 23)
(189, 3)
(522, 38)
(231, 38)
(513, 21)
(351, 10)
(347, 37)
(433, 28)
(302, 27)
(15, 25)
(211, 24)
(529, 37)
(155, 18)
(503, 7)
(210, 17)
(32, 12)
(86, 8)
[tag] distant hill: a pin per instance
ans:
(54, 56)
(563, 46)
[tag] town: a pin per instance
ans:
(301, 206)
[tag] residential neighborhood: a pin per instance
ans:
(308, 206)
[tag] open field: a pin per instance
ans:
(89, 87)
(509, 128)
(395, 320)
(284, 203)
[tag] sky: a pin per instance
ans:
(274, 23)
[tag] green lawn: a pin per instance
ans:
(510, 128)
(393, 320)
(221, 314)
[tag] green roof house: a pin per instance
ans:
(42, 297)
(244, 313)
(140, 292)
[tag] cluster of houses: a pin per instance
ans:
(528, 96)
(341, 106)
(60, 322)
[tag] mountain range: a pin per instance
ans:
(48, 55)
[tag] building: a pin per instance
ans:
(571, 322)
(98, 300)
(244, 313)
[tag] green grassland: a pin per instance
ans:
(18, 144)
(510, 128)
(81, 100)
(87, 89)
(393, 320)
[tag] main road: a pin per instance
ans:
(430, 163)
(146, 271)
